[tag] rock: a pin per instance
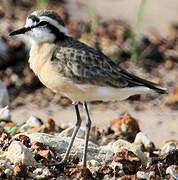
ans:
(93, 163)
(41, 173)
(142, 138)
(81, 134)
(168, 146)
(68, 133)
(19, 154)
(60, 144)
(130, 162)
(34, 121)
(127, 126)
(24, 127)
(31, 122)
(4, 98)
(120, 145)
(79, 173)
(105, 153)
(172, 171)
(5, 114)
(8, 172)
(20, 170)
(142, 175)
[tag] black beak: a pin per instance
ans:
(20, 31)
(26, 29)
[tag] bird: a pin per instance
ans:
(75, 70)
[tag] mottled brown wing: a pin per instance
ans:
(85, 65)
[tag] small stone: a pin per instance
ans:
(120, 145)
(24, 139)
(4, 98)
(68, 133)
(9, 126)
(45, 153)
(142, 175)
(168, 146)
(130, 162)
(2, 174)
(126, 125)
(142, 138)
(169, 64)
(20, 170)
(37, 145)
(105, 170)
(34, 121)
(93, 163)
(79, 173)
(74, 159)
(19, 154)
(24, 127)
(38, 171)
(5, 114)
(8, 172)
(172, 171)
(50, 124)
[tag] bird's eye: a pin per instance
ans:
(42, 23)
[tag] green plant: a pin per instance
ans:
(135, 40)
(94, 19)
(12, 131)
(42, 3)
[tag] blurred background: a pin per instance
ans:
(139, 35)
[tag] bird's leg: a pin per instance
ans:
(76, 128)
(87, 132)
(63, 163)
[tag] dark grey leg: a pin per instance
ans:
(87, 132)
(76, 128)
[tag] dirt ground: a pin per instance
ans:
(157, 122)
(158, 14)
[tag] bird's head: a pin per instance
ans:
(43, 26)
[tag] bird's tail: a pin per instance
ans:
(137, 81)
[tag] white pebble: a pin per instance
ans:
(142, 175)
(8, 172)
(168, 147)
(33, 122)
(5, 114)
(172, 172)
(142, 138)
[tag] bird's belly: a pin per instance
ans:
(55, 81)
(95, 93)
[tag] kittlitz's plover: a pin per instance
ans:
(75, 70)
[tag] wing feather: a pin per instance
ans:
(85, 65)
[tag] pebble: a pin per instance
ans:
(120, 144)
(93, 163)
(172, 172)
(142, 138)
(4, 98)
(19, 154)
(60, 144)
(31, 122)
(8, 172)
(34, 121)
(169, 146)
(142, 175)
(5, 114)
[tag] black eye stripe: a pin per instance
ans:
(43, 23)
(34, 18)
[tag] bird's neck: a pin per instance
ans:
(40, 53)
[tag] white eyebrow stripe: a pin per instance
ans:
(54, 23)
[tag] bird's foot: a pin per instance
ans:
(61, 166)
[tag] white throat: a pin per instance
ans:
(42, 34)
